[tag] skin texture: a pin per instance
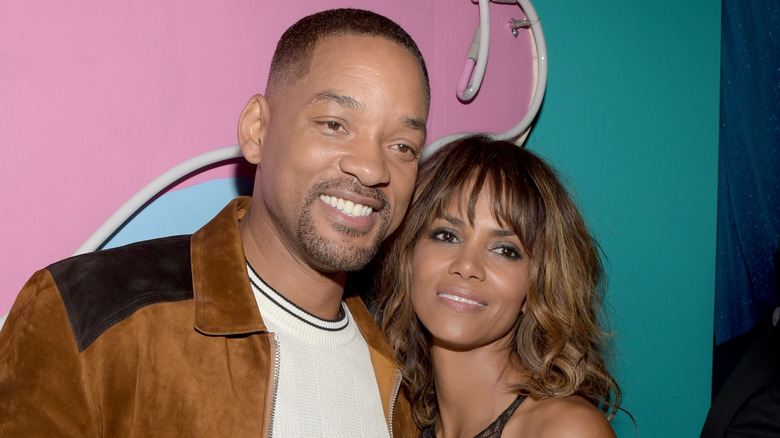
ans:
(484, 262)
(352, 129)
(564, 417)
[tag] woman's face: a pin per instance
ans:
(469, 282)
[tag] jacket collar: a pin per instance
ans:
(385, 367)
(224, 302)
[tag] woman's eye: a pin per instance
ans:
(508, 251)
(444, 236)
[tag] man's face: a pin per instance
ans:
(340, 154)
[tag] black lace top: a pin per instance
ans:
(493, 430)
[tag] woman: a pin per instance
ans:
(489, 298)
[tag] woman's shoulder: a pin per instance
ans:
(562, 417)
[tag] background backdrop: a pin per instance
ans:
(97, 99)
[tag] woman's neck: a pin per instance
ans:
(472, 388)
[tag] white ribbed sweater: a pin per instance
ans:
(326, 385)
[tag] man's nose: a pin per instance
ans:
(366, 161)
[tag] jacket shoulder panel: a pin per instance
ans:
(103, 288)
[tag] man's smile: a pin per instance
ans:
(347, 207)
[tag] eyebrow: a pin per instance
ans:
(502, 233)
(453, 220)
(354, 104)
(415, 124)
(498, 232)
(339, 99)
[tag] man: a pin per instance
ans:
(747, 397)
(242, 329)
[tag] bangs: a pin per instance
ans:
(472, 170)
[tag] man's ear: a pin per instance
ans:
(252, 126)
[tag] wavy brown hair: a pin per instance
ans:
(558, 339)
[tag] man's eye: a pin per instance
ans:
(406, 149)
(335, 126)
(406, 152)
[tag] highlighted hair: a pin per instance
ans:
(558, 339)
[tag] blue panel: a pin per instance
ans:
(181, 211)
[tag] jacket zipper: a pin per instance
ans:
(274, 384)
(394, 398)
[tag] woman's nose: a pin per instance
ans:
(468, 264)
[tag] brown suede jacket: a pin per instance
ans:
(158, 338)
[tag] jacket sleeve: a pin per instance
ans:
(43, 391)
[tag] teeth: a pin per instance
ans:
(461, 299)
(347, 207)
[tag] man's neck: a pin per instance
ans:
(316, 292)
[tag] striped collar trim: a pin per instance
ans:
(259, 285)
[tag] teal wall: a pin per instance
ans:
(631, 117)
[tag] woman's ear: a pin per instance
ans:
(252, 126)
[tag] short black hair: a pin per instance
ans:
(293, 54)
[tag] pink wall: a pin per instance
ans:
(99, 98)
